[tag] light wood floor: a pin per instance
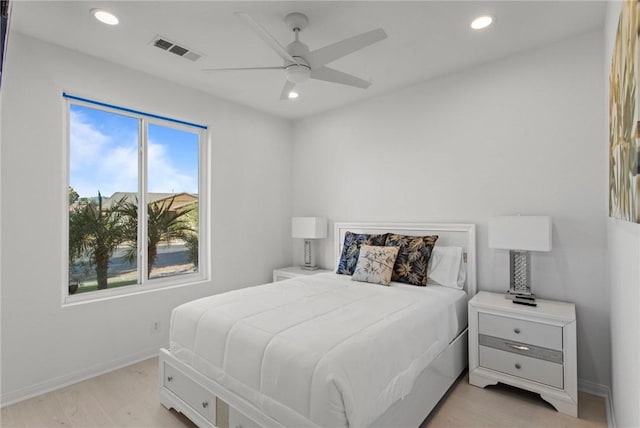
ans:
(505, 406)
(129, 398)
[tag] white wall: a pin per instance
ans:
(45, 345)
(624, 281)
(521, 135)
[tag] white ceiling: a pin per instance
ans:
(426, 39)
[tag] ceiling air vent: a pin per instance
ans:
(169, 46)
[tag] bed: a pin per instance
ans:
(322, 350)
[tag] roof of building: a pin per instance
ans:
(132, 197)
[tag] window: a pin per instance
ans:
(135, 200)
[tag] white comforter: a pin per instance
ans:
(320, 350)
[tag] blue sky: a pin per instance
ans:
(103, 155)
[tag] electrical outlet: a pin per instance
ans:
(155, 327)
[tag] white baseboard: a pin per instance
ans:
(12, 397)
(601, 391)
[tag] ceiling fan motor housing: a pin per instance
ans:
(297, 72)
(298, 49)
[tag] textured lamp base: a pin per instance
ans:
(520, 273)
(307, 256)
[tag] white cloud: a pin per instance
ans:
(109, 164)
(163, 176)
(119, 168)
(86, 142)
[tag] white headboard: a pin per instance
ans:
(449, 234)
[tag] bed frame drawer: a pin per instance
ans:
(196, 396)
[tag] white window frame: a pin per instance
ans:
(144, 284)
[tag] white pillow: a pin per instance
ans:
(446, 267)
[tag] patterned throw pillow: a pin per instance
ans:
(351, 249)
(413, 257)
(375, 264)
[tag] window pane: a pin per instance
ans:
(172, 184)
(103, 184)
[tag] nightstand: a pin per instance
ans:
(294, 271)
(532, 348)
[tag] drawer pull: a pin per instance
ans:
(516, 330)
(169, 379)
(519, 347)
(518, 366)
(205, 404)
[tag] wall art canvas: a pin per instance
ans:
(624, 117)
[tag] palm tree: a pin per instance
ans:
(73, 195)
(191, 240)
(97, 234)
(163, 225)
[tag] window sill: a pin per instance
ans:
(132, 290)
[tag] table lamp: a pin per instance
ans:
(520, 235)
(308, 228)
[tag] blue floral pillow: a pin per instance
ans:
(413, 257)
(351, 249)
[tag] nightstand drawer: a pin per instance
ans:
(544, 335)
(531, 351)
(533, 369)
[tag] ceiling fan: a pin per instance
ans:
(301, 64)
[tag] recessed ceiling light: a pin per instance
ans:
(481, 22)
(105, 17)
(293, 95)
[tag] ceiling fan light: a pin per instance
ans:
(297, 73)
(293, 95)
(481, 22)
(105, 17)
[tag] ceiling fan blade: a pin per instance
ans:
(335, 76)
(264, 35)
(288, 87)
(330, 53)
(208, 70)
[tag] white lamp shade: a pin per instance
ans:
(309, 227)
(530, 233)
